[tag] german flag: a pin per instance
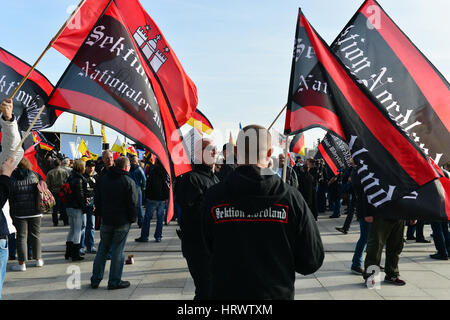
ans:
(200, 122)
(43, 143)
(298, 144)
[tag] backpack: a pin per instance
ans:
(65, 192)
(45, 200)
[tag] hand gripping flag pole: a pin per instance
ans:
(34, 67)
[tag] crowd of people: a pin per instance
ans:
(244, 232)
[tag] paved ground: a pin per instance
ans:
(160, 272)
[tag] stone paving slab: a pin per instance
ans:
(160, 272)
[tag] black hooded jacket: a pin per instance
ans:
(190, 191)
(258, 232)
(116, 198)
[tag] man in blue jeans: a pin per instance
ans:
(116, 202)
(156, 194)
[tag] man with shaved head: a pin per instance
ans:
(258, 231)
(190, 190)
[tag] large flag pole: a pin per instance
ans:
(48, 47)
(282, 110)
(34, 67)
(286, 149)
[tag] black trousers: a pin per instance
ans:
(199, 268)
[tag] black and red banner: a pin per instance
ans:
(31, 97)
(335, 152)
(110, 79)
(323, 93)
(399, 76)
(178, 89)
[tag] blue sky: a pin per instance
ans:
(238, 52)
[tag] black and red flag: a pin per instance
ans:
(31, 97)
(399, 76)
(323, 93)
(335, 152)
(113, 80)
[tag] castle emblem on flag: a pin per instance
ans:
(150, 49)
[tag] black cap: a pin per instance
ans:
(90, 163)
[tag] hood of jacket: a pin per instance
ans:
(253, 191)
(21, 173)
(116, 173)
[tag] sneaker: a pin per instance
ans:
(82, 252)
(39, 263)
(423, 241)
(341, 230)
(91, 250)
(121, 285)
(395, 280)
(357, 270)
(19, 267)
(438, 256)
(140, 240)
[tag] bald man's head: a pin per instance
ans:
(254, 146)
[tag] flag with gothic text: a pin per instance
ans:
(31, 97)
(414, 93)
(113, 79)
(323, 93)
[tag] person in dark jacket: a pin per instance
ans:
(116, 201)
(26, 215)
(291, 176)
(258, 230)
(229, 162)
(191, 189)
(88, 230)
(137, 174)
(156, 196)
(76, 206)
(334, 191)
(306, 186)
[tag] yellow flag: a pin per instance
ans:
(103, 134)
(83, 149)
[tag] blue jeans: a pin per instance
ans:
(88, 229)
(441, 237)
(3, 262)
(150, 207)
(76, 224)
(357, 260)
(140, 215)
(114, 239)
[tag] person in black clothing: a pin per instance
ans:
(88, 233)
(157, 192)
(306, 185)
(116, 202)
(291, 176)
(76, 206)
(190, 190)
(334, 190)
(229, 162)
(258, 230)
(25, 213)
(322, 187)
(348, 188)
